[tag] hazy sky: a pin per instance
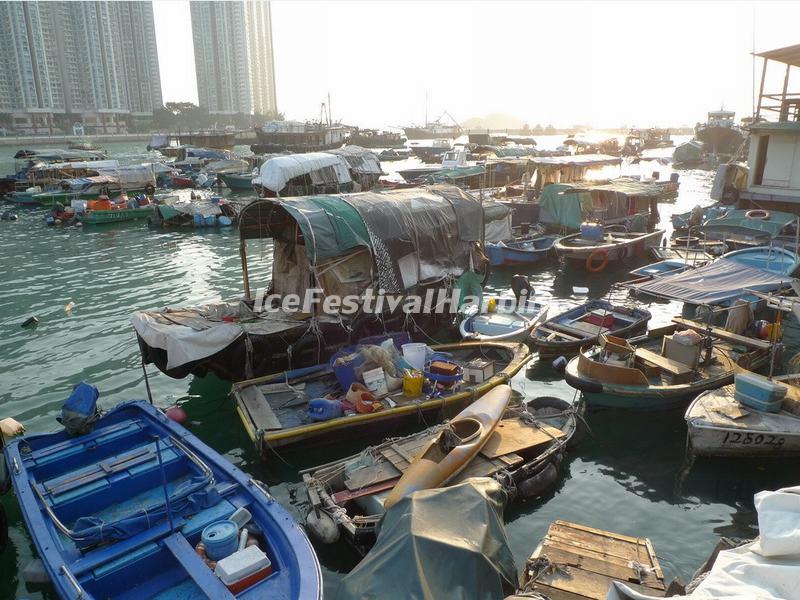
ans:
(602, 63)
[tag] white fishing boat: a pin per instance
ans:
(613, 244)
(719, 425)
(510, 321)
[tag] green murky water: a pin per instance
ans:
(626, 477)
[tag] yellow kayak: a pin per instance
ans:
(452, 449)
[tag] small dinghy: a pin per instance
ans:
(596, 251)
(511, 321)
(566, 333)
(524, 454)
(452, 449)
(118, 512)
(659, 371)
(520, 252)
(664, 267)
(720, 425)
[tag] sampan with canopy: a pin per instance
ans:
(403, 241)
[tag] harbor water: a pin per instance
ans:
(628, 476)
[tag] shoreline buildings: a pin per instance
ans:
(73, 66)
(233, 56)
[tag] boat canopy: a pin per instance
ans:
(625, 186)
(360, 160)
(410, 236)
(722, 281)
(131, 175)
(568, 205)
(79, 183)
(513, 151)
(578, 160)
(736, 222)
(278, 171)
(96, 165)
(57, 155)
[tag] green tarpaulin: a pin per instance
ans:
(563, 210)
(441, 543)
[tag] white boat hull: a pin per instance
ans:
(719, 426)
(720, 441)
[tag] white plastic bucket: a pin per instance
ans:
(415, 354)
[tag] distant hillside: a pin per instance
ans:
(494, 121)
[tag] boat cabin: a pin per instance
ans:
(773, 181)
(721, 118)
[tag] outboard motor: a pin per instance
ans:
(521, 287)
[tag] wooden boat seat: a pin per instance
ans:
(722, 334)
(553, 332)
(211, 585)
(667, 364)
(261, 413)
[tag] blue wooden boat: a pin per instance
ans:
(519, 252)
(105, 526)
(566, 333)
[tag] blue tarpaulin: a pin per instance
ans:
(720, 282)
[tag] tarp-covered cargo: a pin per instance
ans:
(440, 543)
(321, 168)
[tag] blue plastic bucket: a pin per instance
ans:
(198, 220)
(221, 539)
(592, 231)
(211, 220)
(225, 221)
(346, 374)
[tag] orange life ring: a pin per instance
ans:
(591, 267)
(757, 214)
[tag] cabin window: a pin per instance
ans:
(761, 159)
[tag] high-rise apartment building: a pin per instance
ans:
(90, 62)
(233, 56)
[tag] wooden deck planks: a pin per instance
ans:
(259, 409)
(588, 560)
